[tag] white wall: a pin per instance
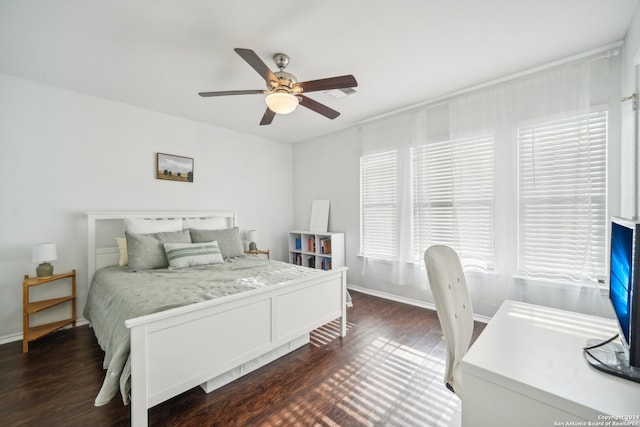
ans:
(63, 153)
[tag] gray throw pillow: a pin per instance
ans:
(228, 240)
(146, 251)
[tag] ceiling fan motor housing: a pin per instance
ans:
(285, 81)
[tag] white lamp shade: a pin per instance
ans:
(252, 235)
(44, 252)
(281, 103)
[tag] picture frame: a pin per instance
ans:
(174, 168)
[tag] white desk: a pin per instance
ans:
(527, 369)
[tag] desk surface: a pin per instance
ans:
(536, 352)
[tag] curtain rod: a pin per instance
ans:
(609, 50)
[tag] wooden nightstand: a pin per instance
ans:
(259, 252)
(28, 307)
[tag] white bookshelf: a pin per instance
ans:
(323, 251)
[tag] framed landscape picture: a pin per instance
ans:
(174, 168)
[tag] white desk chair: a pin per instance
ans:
(453, 306)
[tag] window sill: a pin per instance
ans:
(376, 260)
(420, 265)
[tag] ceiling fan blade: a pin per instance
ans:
(267, 118)
(318, 107)
(340, 82)
(232, 92)
(257, 64)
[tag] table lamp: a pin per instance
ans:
(252, 240)
(44, 253)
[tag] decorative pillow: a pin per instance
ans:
(147, 226)
(213, 223)
(228, 240)
(182, 255)
(122, 247)
(146, 251)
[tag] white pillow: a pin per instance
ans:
(148, 226)
(212, 223)
(182, 255)
(122, 247)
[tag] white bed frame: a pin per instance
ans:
(214, 342)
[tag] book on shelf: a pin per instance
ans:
(297, 259)
(298, 243)
(325, 246)
(312, 262)
(326, 264)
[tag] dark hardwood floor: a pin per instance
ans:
(387, 371)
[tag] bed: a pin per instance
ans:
(203, 336)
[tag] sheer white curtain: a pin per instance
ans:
(458, 174)
(385, 193)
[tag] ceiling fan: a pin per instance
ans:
(284, 92)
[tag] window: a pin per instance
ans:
(562, 197)
(379, 205)
(453, 199)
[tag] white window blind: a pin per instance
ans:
(562, 198)
(379, 205)
(453, 199)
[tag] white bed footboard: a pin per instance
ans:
(174, 351)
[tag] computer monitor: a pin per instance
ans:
(624, 288)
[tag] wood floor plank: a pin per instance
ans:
(387, 371)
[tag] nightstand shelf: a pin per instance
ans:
(42, 330)
(34, 307)
(32, 333)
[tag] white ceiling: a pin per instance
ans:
(158, 54)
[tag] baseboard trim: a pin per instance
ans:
(392, 297)
(409, 301)
(18, 337)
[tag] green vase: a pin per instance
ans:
(44, 270)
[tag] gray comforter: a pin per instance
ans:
(117, 294)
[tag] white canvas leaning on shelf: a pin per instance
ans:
(319, 216)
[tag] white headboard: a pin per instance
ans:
(104, 227)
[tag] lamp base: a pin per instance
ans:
(44, 270)
(253, 246)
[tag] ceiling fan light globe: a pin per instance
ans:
(281, 103)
